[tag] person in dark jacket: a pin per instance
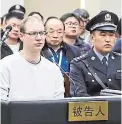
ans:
(117, 46)
(101, 62)
(55, 49)
(71, 35)
(84, 19)
(12, 44)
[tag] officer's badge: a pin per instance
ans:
(107, 17)
(92, 58)
(17, 7)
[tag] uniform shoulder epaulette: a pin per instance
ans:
(81, 57)
(118, 54)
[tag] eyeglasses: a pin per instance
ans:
(72, 24)
(35, 34)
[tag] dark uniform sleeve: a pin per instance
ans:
(77, 84)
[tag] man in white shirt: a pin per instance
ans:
(27, 75)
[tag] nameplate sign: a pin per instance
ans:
(88, 111)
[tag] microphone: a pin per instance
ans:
(70, 79)
(5, 35)
(48, 54)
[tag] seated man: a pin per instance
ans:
(100, 62)
(55, 49)
(26, 75)
(71, 35)
(84, 19)
(58, 51)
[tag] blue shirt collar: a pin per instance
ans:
(100, 56)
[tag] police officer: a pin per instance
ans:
(100, 63)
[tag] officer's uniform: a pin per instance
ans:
(82, 81)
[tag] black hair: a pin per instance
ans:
(67, 15)
(119, 27)
(53, 17)
(82, 13)
(32, 13)
(14, 15)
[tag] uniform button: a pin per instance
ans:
(92, 80)
(109, 79)
(89, 73)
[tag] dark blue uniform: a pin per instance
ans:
(84, 84)
(117, 46)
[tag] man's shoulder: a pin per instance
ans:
(117, 54)
(48, 63)
(71, 46)
(9, 60)
(73, 49)
(82, 57)
(10, 57)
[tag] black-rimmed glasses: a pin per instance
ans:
(72, 24)
(35, 33)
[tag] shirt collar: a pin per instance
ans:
(100, 56)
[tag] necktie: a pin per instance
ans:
(104, 61)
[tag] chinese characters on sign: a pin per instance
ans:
(88, 111)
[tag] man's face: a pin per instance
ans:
(55, 32)
(71, 26)
(103, 41)
(34, 36)
(15, 23)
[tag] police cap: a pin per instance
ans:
(105, 20)
(17, 8)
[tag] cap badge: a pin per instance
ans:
(17, 7)
(108, 17)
